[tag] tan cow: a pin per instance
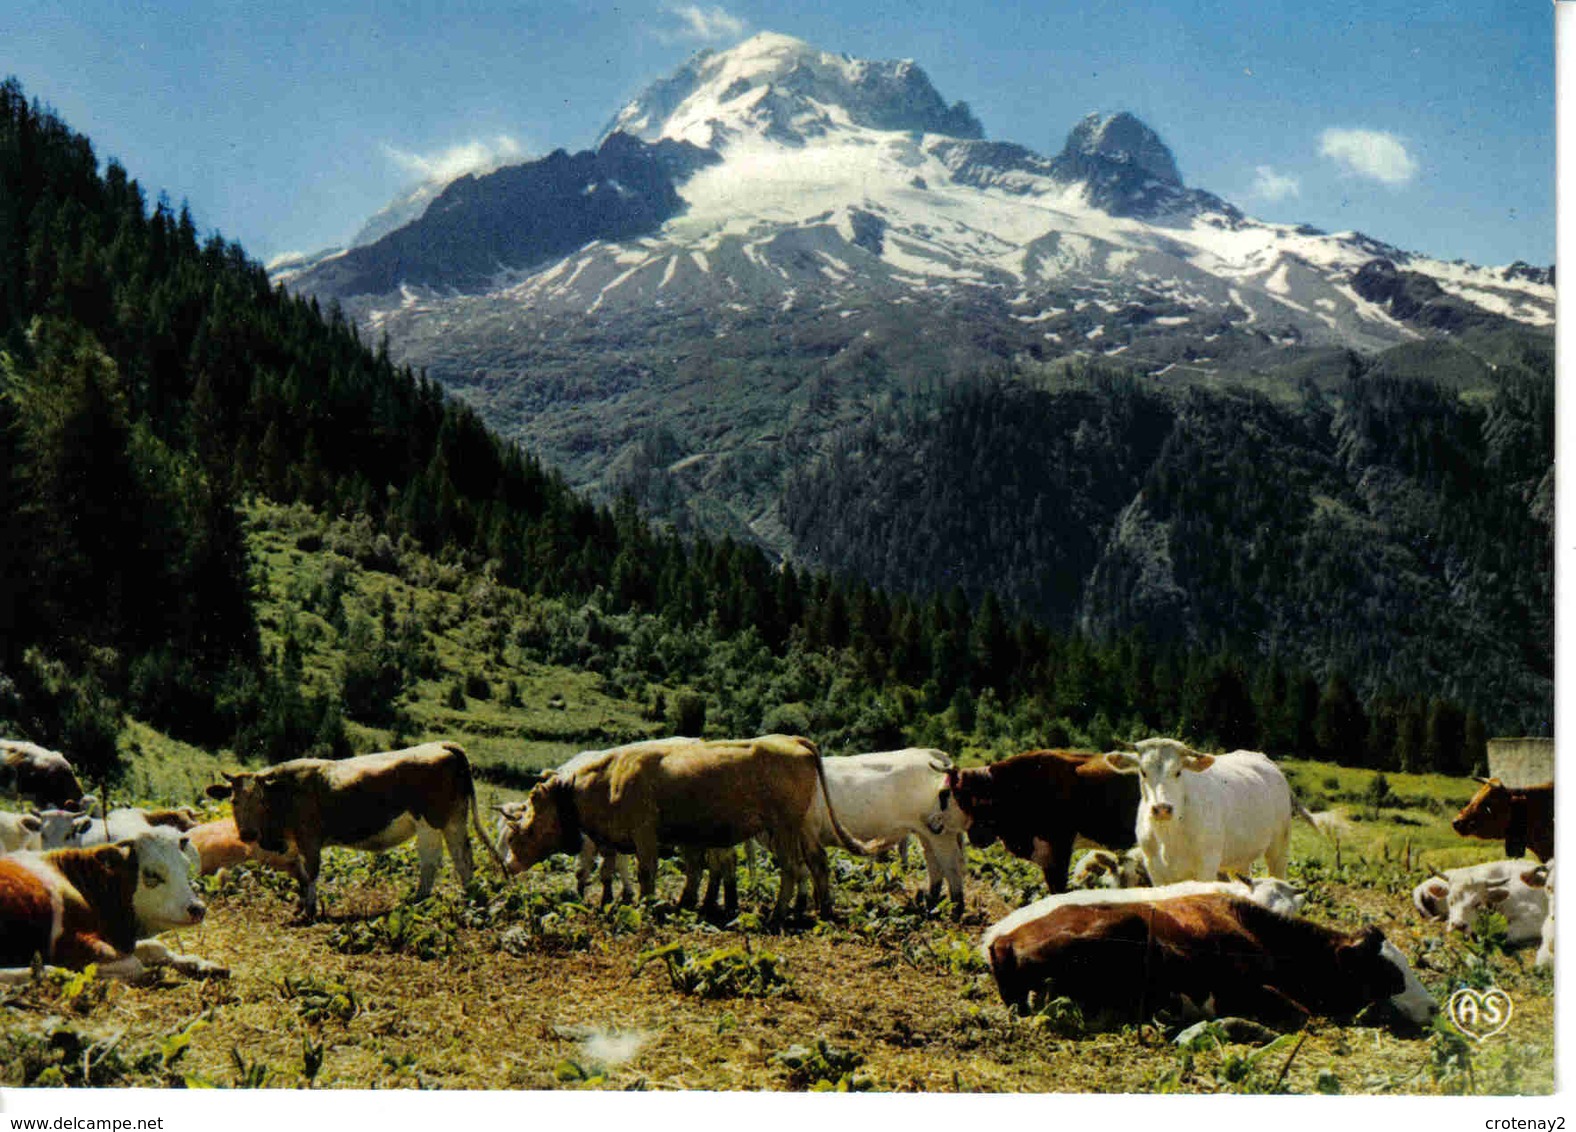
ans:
(703, 795)
(219, 846)
(371, 802)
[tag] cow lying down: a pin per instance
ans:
(1514, 889)
(73, 907)
(1134, 952)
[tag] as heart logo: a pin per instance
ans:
(1480, 1014)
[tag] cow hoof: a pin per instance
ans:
(208, 970)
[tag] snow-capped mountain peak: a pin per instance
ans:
(780, 88)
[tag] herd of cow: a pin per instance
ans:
(1158, 923)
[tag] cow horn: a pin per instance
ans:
(1480, 778)
(1500, 883)
(940, 767)
(1435, 873)
(1236, 876)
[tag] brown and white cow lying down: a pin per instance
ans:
(1136, 956)
(219, 846)
(372, 802)
(30, 771)
(705, 795)
(74, 907)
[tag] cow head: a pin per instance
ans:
(544, 824)
(261, 806)
(1432, 897)
(1469, 896)
(164, 898)
(1487, 815)
(1160, 764)
(1364, 971)
(974, 796)
(59, 829)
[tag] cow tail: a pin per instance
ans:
(476, 816)
(846, 839)
(1298, 810)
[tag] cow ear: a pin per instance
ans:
(1536, 878)
(1198, 762)
(32, 823)
(1372, 942)
(220, 790)
(1438, 887)
(1120, 761)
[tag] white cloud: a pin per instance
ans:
(1369, 153)
(1270, 185)
(708, 25)
(480, 155)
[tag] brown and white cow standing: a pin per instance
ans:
(1040, 802)
(1136, 956)
(372, 802)
(30, 771)
(705, 795)
(73, 907)
(1523, 817)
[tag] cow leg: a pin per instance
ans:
(458, 837)
(694, 864)
(928, 846)
(902, 857)
(626, 882)
(944, 859)
(820, 879)
(647, 854)
(730, 886)
(155, 954)
(790, 866)
(1275, 856)
(585, 860)
(610, 866)
(429, 856)
(311, 862)
(1054, 856)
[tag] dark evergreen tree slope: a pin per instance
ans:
(1390, 529)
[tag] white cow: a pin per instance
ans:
(62, 829)
(1199, 815)
(1268, 892)
(99, 905)
(1545, 957)
(19, 832)
(1431, 898)
(1514, 889)
(886, 796)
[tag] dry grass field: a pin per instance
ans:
(519, 986)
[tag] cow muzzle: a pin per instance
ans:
(195, 911)
(1162, 811)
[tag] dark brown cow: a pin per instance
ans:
(1039, 803)
(31, 771)
(1523, 817)
(371, 802)
(1135, 957)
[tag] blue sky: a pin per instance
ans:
(285, 125)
